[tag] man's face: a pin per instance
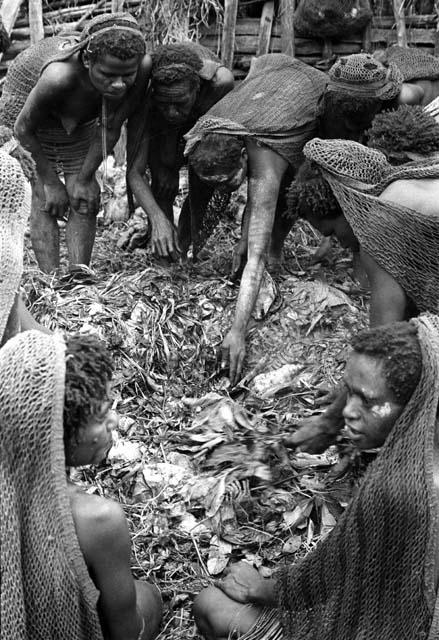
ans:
(228, 182)
(175, 101)
(95, 439)
(111, 76)
(371, 407)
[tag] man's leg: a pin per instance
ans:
(44, 231)
(216, 615)
(150, 607)
(80, 231)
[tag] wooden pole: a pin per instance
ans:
(401, 32)
(436, 42)
(265, 28)
(36, 25)
(116, 6)
(287, 25)
(228, 40)
(367, 32)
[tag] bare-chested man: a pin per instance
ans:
(67, 100)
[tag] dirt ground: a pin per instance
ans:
(198, 466)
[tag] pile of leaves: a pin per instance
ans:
(200, 467)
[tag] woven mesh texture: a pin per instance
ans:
(413, 63)
(24, 72)
(372, 577)
(360, 74)
(15, 201)
(275, 105)
(330, 18)
(401, 240)
(46, 591)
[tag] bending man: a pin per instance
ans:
(186, 80)
(256, 131)
(67, 100)
(376, 574)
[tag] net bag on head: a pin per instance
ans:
(361, 75)
(373, 575)
(330, 18)
(15, 202)
(276, 106)
(413, 63)
(46, 590)
(402, 241)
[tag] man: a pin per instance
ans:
(258, 130)
(65, 554)
(67, 100)
(359, 87)
(376, 574)
(186, 80)
(390, 214)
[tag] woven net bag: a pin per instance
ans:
(46, 591)
(372, 577)
(413, 63)
(15, 201)
(330, 18)
(403, 241)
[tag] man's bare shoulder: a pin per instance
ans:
(98, 521)
(61, 75)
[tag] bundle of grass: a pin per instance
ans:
(165, 21)
(408, 131)
(330, 18)
(310, 193)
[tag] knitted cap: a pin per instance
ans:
(362, 75)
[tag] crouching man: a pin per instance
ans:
(376, 574)
(65, 554)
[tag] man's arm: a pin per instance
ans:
(55, 80)
(266, 169)
(164, 237)
(221, 83)
(388, 301)
(105, 543)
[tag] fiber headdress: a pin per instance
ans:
(177, 62)
(275, 105)
(361, 75)
(373, 576)
(15, 202)
(25, 70)
(413, 63)
(46, 590)
(402, 241)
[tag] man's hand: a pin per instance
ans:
(241, 580)
(56, 199)
(233, 353)
(86, 196)
(314, 435)
(164, 241)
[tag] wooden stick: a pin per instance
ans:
(286, 8)
(401, 32)
(228, 40)
(367, 32)
(116, 6)
(265, 28)
(36, 20)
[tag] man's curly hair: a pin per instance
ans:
(175, 63)
(408, 129)
(89, 369)
(23, 156)
(310, 193)
(398, 348)
(216, 153)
